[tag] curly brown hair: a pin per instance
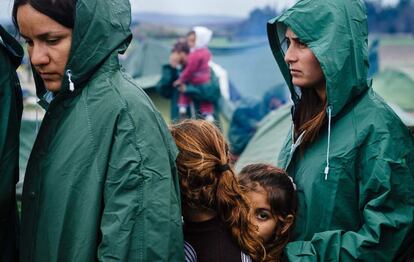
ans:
(282, 198)
(207, 182)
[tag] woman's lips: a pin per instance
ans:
(295, 72)
(48, 76)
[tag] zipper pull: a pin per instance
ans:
(71, 84)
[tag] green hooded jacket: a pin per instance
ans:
(11, 54)
(101, 181)
(355, 182)
(205, 92)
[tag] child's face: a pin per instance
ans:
(191, 40)
(261, 214)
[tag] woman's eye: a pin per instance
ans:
(302, 45)
(53, 41)
(28, 42)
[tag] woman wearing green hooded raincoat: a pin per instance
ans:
(11, 54)
(349, 154)
(101, 181)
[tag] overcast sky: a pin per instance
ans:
(189, 7)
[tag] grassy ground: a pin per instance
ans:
(389, 40)
(163, 105)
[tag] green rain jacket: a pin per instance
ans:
(11, 54)
(363, 209)
(101, 182)
(206, 92)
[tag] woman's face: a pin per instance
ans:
(261, 214)
(304, 67)
(48, 44)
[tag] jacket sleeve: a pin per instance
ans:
(206, 92)
(141, 211)
(10, 118)
(386, 200)
(122, 197)
(190, 68)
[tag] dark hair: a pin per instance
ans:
(192, 32)
(62, 11)
(281, 196)
(310, 116)
(181, 46)
(208, 183)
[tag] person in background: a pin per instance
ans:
(273, 205)
(101, 181)
(248, 116)
(215, 210)
(196, 71)
(11, 54)
(350, 156)
(206, 92)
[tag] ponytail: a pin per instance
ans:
(207, 181)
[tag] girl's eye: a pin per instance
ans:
(262, 215)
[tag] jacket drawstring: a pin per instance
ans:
(71, 84)
(329, 142)
(298, 141)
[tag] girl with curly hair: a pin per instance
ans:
(215, 210)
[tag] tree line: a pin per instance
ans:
(381, 19)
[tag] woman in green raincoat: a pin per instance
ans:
(11, 54)
(349, 154)
(101, 181)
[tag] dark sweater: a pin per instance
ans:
(212, 241)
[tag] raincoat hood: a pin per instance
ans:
(94, 39)
(339, 42)
(203, 36)
(14, 50)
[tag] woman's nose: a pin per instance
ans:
(290, 55)
(39, 55)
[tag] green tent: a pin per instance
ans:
(395, 87)
(144, 61)
(265, 145)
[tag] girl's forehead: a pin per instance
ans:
(258, 200)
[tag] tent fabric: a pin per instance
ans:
(265, 145)
(249, 113)
(395, 87)
(354, 182)
(101, 182)
(145, 61)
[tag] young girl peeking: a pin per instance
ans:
(217, 224)
(273, 201)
